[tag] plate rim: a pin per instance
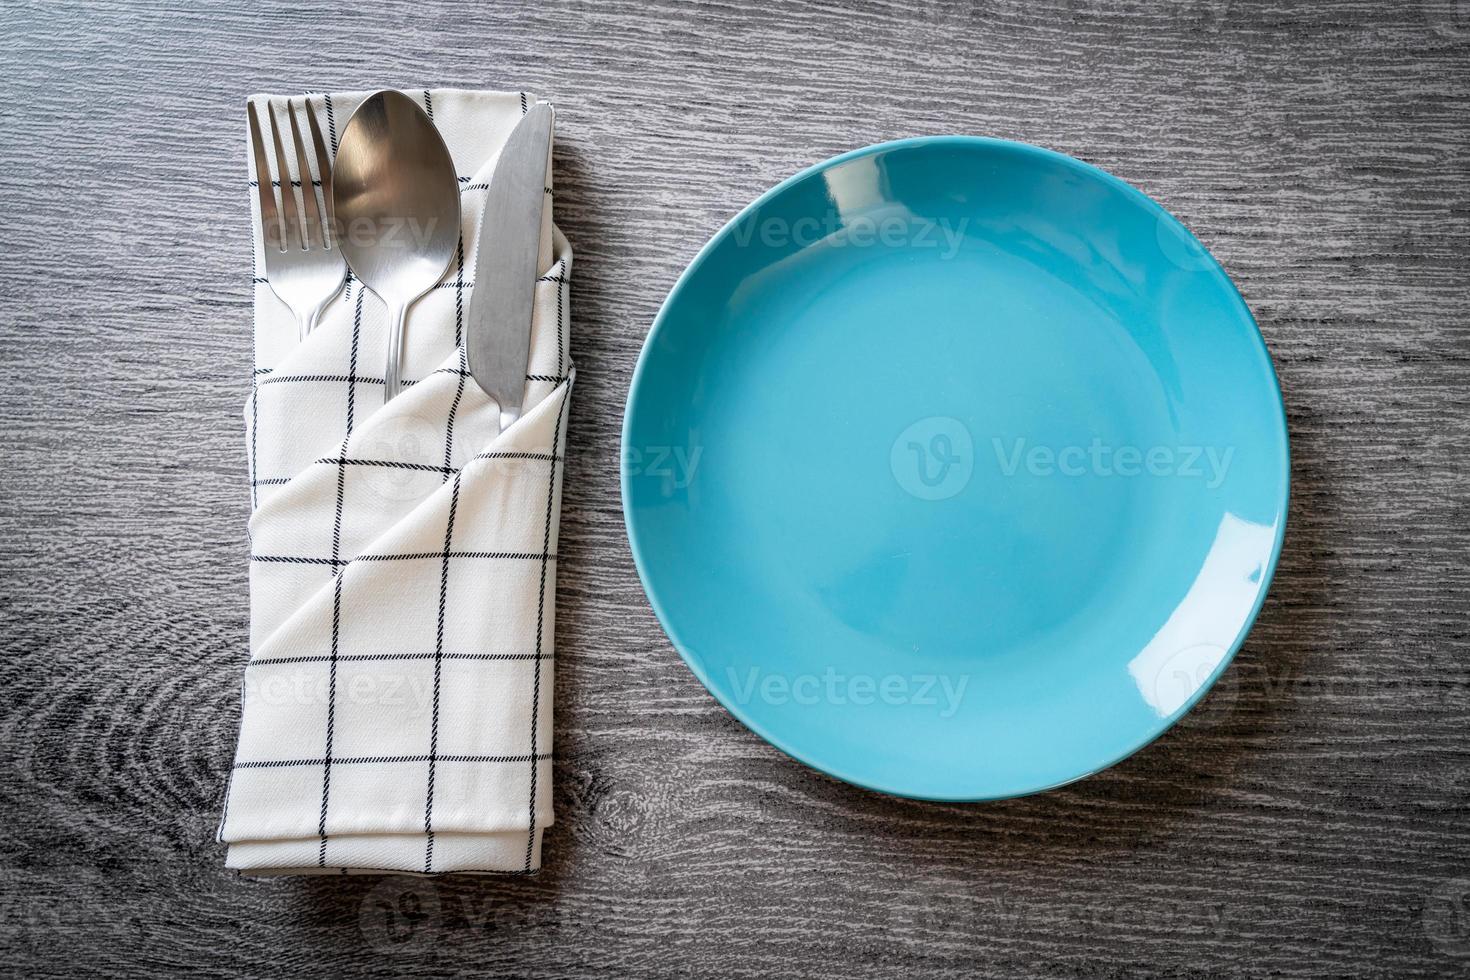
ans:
(1212, 267)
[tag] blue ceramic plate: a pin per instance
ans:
(955, 468)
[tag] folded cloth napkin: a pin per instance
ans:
(397, 703)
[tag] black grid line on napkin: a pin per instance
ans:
(337, 585)
(431, 757)
(541, 617)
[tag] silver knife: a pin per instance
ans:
(498, 333)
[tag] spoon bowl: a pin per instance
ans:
(396, 198)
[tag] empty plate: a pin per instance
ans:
(955, 468)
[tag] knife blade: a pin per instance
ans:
(498, 328)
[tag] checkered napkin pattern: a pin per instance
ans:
(397, 703)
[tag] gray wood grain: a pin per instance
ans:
(1311, 818)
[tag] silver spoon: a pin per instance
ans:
(396, 198)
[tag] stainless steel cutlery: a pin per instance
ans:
(498, 332)
(303, 260)
(390, 208)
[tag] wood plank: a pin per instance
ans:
(1312, 818)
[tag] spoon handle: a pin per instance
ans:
(391, 384)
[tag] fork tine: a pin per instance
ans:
(270, 220)
(290, 213)
(324, 169)
(308, 193)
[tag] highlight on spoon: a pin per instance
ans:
(395, 196)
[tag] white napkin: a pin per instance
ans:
(397, 702)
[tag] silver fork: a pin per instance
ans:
(305, 270)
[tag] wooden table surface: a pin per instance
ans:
(1311, 817)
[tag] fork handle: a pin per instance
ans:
(306, 323)
(395, 352)
(312, 318)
